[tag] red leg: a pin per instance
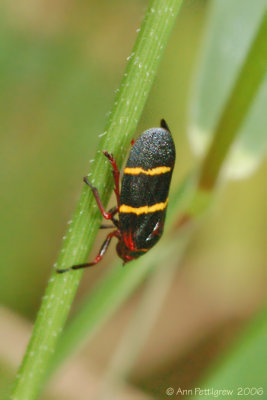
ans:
(112, 211)
(99, 256)
(116, 175)
(106, 215)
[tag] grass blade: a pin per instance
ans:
(129, 102)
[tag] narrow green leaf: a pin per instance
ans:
(231, 28)
(243, 369)
(251, 76)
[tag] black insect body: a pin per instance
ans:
(143, 199)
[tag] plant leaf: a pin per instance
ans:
(243, 370)
(230, 31)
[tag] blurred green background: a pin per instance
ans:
(60, 63)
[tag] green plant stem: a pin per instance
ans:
(251, 76)
(248, 82)
(140, 72)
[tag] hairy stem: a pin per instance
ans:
(129, 102)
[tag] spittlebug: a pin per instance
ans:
(143, 199)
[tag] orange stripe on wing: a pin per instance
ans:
(144, 209)
(151, 172)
